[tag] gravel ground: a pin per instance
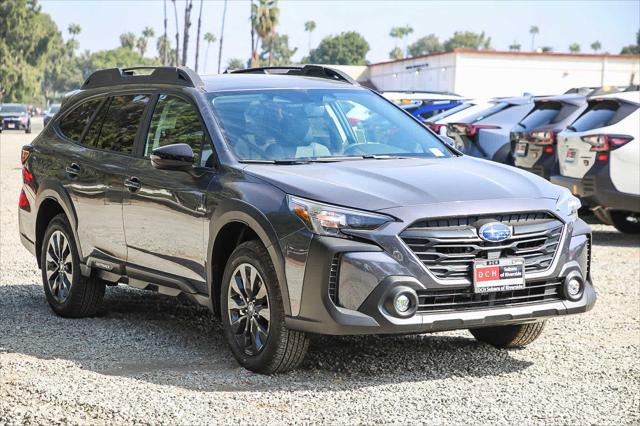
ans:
(159, 360)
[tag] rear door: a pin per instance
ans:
(96, 173)
(164, 215)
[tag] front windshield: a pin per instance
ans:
(283, 124)
(54, 108)
(13, 108)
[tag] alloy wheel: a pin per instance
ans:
(59, 266)
(248, 309)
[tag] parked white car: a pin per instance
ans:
(599, 159)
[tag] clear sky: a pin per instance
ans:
(613, 23)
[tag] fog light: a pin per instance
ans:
(573, 287)
(402, 303)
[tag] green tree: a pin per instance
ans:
(142, 42)
(208, 38)
(347, 48)
(574, 48)
(29, 43)
(396, 54)
(235, 64)
(534, 30)
(276, 51)
(120, 57)
(224, 18)
(546, 49)
(425, 46)
(175, 16)
(468, 40)
(128, 40)
(72, 43)
(596, 46)
(163, 45)
(405, 31)
(632, 48)
(515, 47)
(188, 5)
(266, 16)
(309, 27)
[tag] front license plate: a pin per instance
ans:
(571, 156)
(11, 125)
(521, 149)
(498, 275)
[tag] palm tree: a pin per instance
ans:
(165, 39)
(128, 40)
(574, 48)
(209, 38)
(406, 30)
(198, 35)
(266, 17)
(396, 34)
(141, 44)
(514, 47)
(188, 5)
(596, 46)
(224, 17)
(534, 30)
(309, 26)
(74, 30)
(175, 13)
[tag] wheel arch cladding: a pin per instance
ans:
(235, 222)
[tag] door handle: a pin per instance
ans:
(133, 183)
(72, 170)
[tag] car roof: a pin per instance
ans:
(625, 96)
(235, 82)
(572, 98)
(421, 96)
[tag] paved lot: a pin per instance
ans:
(154, 359)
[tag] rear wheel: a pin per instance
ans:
(626, 222)
(69, 293)
(509, 336)
(253, 314)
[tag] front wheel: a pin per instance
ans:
(253, 314)
(626, 222)
(509, 336)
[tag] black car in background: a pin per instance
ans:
(534, 138)
(50, 113)
(15, 117)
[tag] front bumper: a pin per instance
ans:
(365, 275)
(13, 124)
(596, 189)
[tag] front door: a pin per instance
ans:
(164, 209)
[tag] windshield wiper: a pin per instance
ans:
(285, 162)
(383, 157)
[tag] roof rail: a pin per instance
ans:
(632, 88)
(318, 71)
(181, 76)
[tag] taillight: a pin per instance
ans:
(603, 143)
(23, 201)
(470, 129)
(435, 126)
(541, 137)
(25, 154)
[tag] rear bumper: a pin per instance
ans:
(596, 189)
(545, 167)
(366, 279)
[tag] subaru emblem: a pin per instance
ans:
(494, 232)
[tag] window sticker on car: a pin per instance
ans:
(436, 152)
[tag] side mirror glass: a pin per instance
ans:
(178, 156)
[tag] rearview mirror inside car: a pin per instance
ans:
(177, 156)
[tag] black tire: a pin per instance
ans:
(509, 336)
(283, 349)
(84, 295)
(620, 221)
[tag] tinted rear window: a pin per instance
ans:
(546, 113)
(450, 112)
(73, 124)
(115, 128)
(601, 113)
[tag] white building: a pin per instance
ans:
(484, 73)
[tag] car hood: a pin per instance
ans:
(383, 184)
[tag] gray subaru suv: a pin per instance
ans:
(292, 201)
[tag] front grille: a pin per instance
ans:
(333, 279)
(464, 299)
(448, 246)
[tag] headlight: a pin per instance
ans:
(324, 219)
(568, 205)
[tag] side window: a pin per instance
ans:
(115, 127)
(175, 120)
(73, 124)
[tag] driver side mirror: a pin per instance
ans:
(178, 156)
